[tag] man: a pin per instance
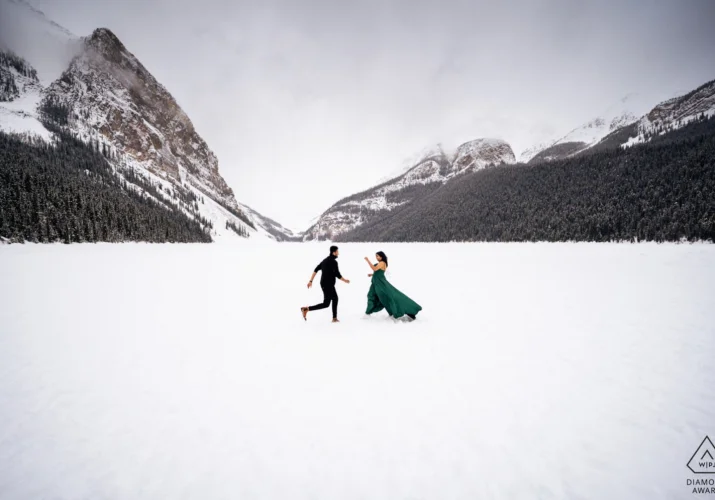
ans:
(328, 272)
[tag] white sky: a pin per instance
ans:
(307, 102)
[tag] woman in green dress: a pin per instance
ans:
(382, 295)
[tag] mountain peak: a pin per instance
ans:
(675, 113)
(117, 102)
(623, 112)
(105, 35)
(435, 151)
(431, 169)
(479, 153)
(106, 42)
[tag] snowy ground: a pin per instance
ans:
(186, 372)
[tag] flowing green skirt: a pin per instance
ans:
(382, 295)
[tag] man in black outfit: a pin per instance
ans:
(328, 268)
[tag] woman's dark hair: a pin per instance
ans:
(383, 257)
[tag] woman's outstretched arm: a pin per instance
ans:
(374, 268)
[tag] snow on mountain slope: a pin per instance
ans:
(426, 175)
(19, 116)
(409, 162)
(675, 113)
(20, 93)
(19, 113)
(626, 111)
(532, 151)
(113, 97)
(108, 91)
(622, 113)
(270, 227)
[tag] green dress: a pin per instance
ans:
(382, 295)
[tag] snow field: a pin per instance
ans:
(186, 371)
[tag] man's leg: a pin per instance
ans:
(335, 304)
(325, 303)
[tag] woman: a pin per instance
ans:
(383, 295)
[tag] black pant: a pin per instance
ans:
(329, 294)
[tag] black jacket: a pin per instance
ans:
(329, 271)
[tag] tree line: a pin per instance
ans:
(239, 229)
(8, 86)
(68, 192)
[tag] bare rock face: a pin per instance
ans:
(475, 155)
(675, 113)
(107, 89)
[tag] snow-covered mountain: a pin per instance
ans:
(428, 173)
(107, 97)
(475, 155)
(675, 113)
(412, 160)
(20, 94)
(107, 90)
(269, 226)
(632, 120)
(626, 111)
(527, 154)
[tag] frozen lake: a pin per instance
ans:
(549, 371)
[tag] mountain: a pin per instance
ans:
(675, 113)
(426, 175)
(630, 121)
(34, 51)
(411, 161)
(67, 191)
(270, 226)
(20, 94)
(639, 193)
(527, 154)
(475, 155)
(626, 111)
(109, 96)
(106, 97)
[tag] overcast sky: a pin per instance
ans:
(308, 101)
